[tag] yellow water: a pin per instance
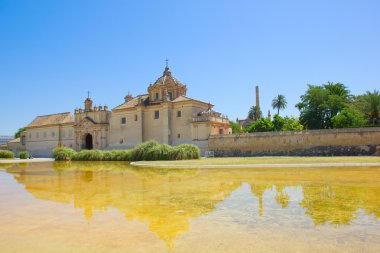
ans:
(113, 207)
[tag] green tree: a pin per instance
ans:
(292, 124)
(254, 113)
(261, 125)
(372, 106)
(279, 103)
(348, 117)
(320, 103)
(19, 131)
(286, 123)
(278, 122)
(236, 128)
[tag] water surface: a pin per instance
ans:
(113, 207)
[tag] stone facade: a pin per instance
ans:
(48, 132)
(352, 141)
(165, 114)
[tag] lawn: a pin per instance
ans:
(268, 160)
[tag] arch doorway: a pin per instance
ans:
(89, 141)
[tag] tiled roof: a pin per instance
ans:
(52, 119)
(15, 140)
(132, 103)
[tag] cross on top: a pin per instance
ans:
(167, 62)
(88, 94)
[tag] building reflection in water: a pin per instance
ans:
(168, 198)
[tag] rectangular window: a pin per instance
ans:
(30, 135)
(156, 114)
(52, 134)
(179, 114)
(157, 96)
(37, 135)
(178, 136)
(135, 117)
(45, 135)
(123, 120)
(170, 94)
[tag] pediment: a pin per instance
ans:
(87, 122)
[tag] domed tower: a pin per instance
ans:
(166, 88)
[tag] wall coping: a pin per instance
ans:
(303, 132)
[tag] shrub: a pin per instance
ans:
(159, 152)
(88, 155)
(63, 153)
(191, 151)
(6, 154)
(178, 154)
(23, 155)
(150, 150)
(116, 155)
(138, 153)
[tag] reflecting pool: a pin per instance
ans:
(113, 207)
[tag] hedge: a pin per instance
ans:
(148, 151)
(6, 154)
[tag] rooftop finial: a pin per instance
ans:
(167, 70)
(88, 94)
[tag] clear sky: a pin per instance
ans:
(53, 52)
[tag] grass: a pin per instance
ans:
(270, 160)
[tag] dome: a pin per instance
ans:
(166, 88)
(167, 78)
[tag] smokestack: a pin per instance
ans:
(257, 97)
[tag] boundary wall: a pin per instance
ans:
(326, 142)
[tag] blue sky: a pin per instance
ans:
(53, 52)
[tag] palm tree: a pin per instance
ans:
(254, 113)
(279, 103)
(372, 100)
(337, 89)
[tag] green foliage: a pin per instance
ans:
(349, 117)
(254, 112)
(23, 155)
(279, 103)
(19, 131)
(63, 153)
(278, 123)
(138, 153)
(292, 124)
(88, 155)
(191, 151)
(321, 103)
(236, 128)
(372, 106)
(117, 155)
(261, 125)
(150, 150)
(6, 154)
(159, 152)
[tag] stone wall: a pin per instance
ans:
(354, 141)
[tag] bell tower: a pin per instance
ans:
(88, 103)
